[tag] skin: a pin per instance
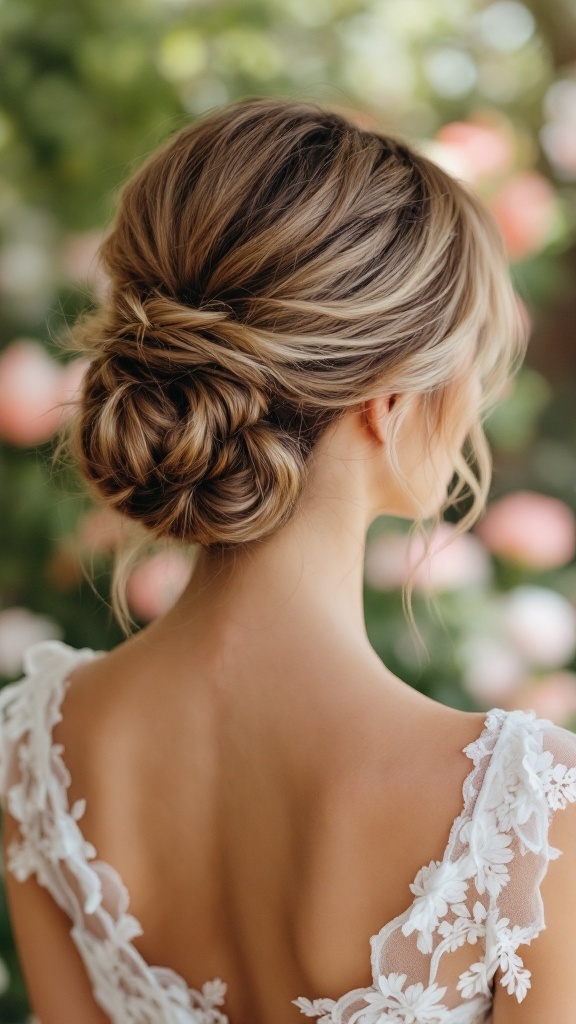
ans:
(266, 787)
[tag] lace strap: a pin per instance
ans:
(50, 845)
(537, 776)
(34, 779)
(29, 710)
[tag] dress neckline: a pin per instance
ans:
(61, 659)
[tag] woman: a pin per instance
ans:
(305, 326)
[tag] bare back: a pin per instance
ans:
(267, 816)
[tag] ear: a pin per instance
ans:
(374, 411)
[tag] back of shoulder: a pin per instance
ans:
(29, 709)
(533, 928)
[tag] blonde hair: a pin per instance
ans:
(272, 265)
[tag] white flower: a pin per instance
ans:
(214, 992)
(536, 765)
(316, 1007)
(126, 928)
(417, 1005)
(516, 792)
(474, 981)
(501, 945)
(489, 853)
(23, 859)
(466, 927)
(560, 786)
(437, 886)
(17, 801)
(516, 977)
(541, 624)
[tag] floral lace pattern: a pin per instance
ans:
(50, 845)
(497, 855)
(433, 964)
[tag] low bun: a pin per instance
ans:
(271, 267)
(175, 430)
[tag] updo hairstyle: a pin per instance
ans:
(270, 266)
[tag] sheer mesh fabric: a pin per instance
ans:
(471, 912)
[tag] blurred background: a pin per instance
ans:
(87, 90)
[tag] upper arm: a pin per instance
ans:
(58, 986)
(551, 956)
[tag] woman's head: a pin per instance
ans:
(272, 268)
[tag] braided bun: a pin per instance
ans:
(173, 429)
(271, 266)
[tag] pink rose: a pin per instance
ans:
(101, 529)
(30, 391)
(386, 564)
(525, 208)
(156, 584)
(552, 696)
(532, 529)
(451, 562)
(36, 393)
(480, 150)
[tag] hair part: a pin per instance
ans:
(271, 266)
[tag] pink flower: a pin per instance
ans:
(481, 150)
(101, 529)
(532, 529)
(30, 391)
(552, 696)
(451, 562)
(156, 584)
(386, 565)
(36, 392)
(525, 208)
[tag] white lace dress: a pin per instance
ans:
(435, 963)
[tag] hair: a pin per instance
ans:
(271, 266)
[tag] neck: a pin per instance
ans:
(307, 574)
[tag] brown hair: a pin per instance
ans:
(272, 265)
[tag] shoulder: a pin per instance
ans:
(29, 710)
(530, 774)
(539, 757)
(410, 781)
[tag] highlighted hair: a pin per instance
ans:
(271, 266)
